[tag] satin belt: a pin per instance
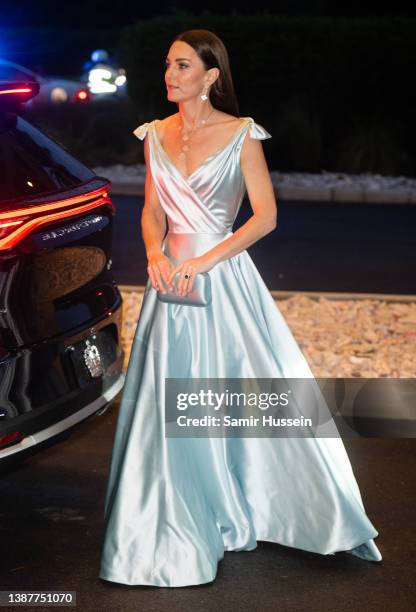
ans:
(181, 246)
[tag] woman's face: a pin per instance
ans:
(185, 75)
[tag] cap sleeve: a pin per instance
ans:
(257, 131)
(141, 131)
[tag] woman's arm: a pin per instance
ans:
(261, 195)
(153, 224)
(153, 219)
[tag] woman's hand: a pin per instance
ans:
(192, 267)
(159, 268)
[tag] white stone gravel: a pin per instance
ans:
(339, 180)
(369, 338)
(120, 174)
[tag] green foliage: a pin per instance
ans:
(334, 93)
(98, 133)
(315, 84)
(372, 145)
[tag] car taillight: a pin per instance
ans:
(16, 224)
(82, 95)
(14, 93)
(16, 90)
(11, 438)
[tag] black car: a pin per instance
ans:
(60, 310)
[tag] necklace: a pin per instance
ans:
(185, 135)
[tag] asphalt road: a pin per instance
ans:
(51, 531)
(363, 248)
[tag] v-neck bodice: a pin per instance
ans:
(208, 158)
(208, 200)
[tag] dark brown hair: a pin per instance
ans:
(211, 50)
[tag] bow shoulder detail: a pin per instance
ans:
(141, 131)
(257, 131)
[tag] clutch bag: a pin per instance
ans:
(200, 295)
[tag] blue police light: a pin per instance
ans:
(99, 55)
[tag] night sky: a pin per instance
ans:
(101, 13)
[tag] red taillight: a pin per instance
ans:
(11, 438)
(16, 92)
(16, 224)
(82, 95)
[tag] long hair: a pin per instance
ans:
(213, 54)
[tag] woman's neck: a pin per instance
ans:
(192, 116)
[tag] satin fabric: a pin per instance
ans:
(173, 506)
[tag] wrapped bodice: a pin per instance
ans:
(209, 199)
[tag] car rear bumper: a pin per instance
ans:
(47, 389)
(39, 437)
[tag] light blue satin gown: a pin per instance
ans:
(174, 505)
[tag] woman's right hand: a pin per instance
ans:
(159, 268)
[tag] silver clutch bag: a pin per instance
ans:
(199, 296)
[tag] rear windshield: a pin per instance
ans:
(31, 164)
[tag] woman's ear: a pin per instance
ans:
(214, 74)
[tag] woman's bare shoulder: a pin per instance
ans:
(168, 121)
(227, 119)
(165, 124)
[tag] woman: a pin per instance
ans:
(174, 505)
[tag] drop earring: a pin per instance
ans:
(204, 96)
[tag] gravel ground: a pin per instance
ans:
(368, 338)
(322, 180)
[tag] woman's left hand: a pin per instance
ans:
(192, 267)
